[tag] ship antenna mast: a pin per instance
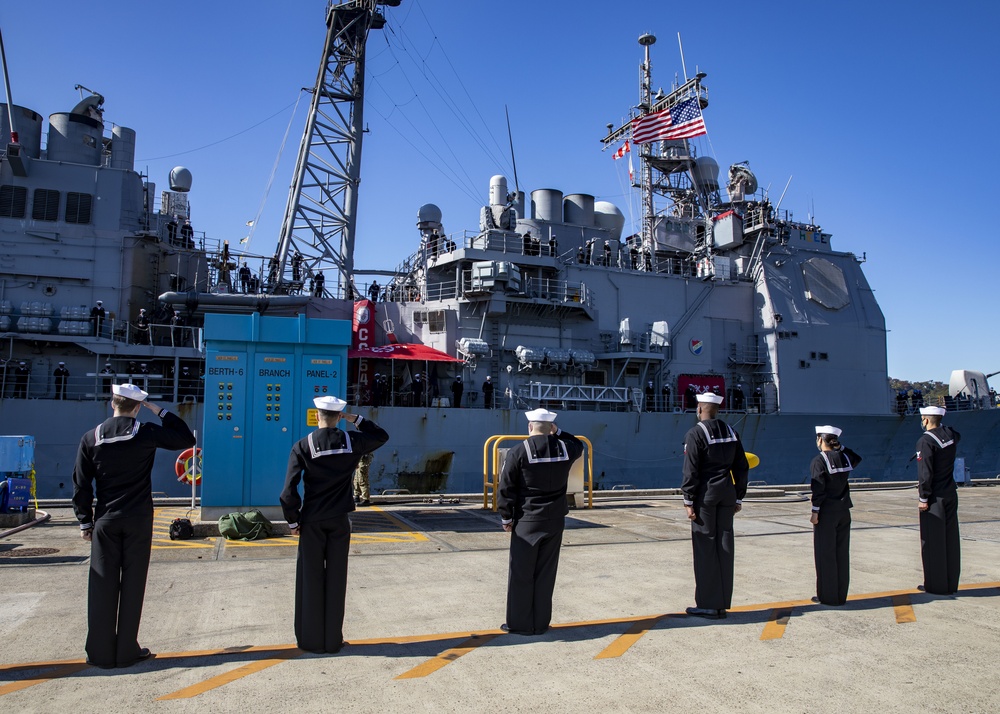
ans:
(646, 176)
(321, 214)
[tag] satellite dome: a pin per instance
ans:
(428, 213)
(180, 179)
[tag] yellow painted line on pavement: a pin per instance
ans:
(632, 635)
(903, 609)
(162, 518)
(221, 680)
(447, 657)
(775, 627)
(272, 542)
(60, 671)
(280, 653)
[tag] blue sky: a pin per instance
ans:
(882, 114)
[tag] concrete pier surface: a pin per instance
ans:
(426, 597)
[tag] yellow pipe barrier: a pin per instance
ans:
(491, 476)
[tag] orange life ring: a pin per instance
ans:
(184, 466)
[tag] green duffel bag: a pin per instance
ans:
(251, 525)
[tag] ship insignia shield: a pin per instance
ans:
(697, 346)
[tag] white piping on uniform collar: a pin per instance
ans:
(839, 469)
(315, 452)
(98, 439)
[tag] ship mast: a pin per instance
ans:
(321, 214)
(646, 175)
(666, 166)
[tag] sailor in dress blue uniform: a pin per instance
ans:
(324, 461)
(831, 515)
(531, 499)
(118, 455)
(715, 482)
(940, 542)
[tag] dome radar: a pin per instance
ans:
(180, 179)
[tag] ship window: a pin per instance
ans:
(803, 364)
(824, 355)
(46, 205)
(419, 317)
(435, 320)
(78, 206)
(13, 200)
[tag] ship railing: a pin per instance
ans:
(92, 386)
(578, 393)
(960, 403)
(560, 291)
(446, 290)
(156, 335)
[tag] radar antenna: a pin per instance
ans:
(321, 214)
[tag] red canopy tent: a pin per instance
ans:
(410, 351)
(398, 351)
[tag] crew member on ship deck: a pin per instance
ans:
(940, 544)
(715, 482)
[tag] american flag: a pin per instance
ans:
(680, 122)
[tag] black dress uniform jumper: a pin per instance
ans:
(940, 547)
(324, 461)
(715, 481)
(118, 456)
(831, 500)
(532, 496)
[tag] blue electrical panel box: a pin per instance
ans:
(261, 375)
(17, 454)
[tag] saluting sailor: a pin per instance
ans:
(831, 515)
(324, 461)
(531, 500)
(118, 455)
(940, 547)
(715, 482)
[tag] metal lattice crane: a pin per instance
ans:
(320, 216)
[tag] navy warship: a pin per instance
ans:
(545, 303)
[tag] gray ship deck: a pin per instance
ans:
(426, 596)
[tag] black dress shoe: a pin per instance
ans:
(365, 502)
(921, 588)
(100, 666)
(335, 650)
(144, 654)
(705, 612)
(723, 614)
(505, 628)
(814, 599)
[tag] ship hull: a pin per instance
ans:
(440, 450)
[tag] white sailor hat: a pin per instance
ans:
(329, 404)
(100, 302)
(488, 378)
(540, 415)
(61, 364)
(827, 429)
(709, 397)
(933, 411)
(129, 391)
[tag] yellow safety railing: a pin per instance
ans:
(491, 467)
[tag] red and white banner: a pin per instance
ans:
(362, 338)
